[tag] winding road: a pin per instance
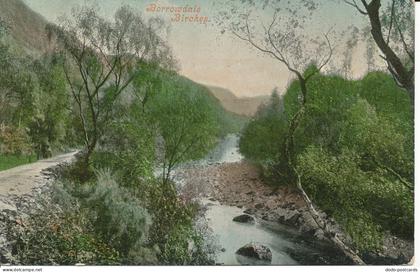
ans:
(23, 179)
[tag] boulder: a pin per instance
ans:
(244, 218)
(259, 206)
(255, 251)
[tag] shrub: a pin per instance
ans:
(119, 218)
(128, 150)
(365, 203)
(57, 234)
(353, 151)
(14, 141)
(173, 229)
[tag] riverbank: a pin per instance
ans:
(228, 180)
(238, 185)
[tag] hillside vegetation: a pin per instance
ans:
(110, 206)
(353, 150)
(27, 28)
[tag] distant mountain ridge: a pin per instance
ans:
(26, 27)
(246, 106)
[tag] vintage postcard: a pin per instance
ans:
(138, 133)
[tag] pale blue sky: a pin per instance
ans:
(210, 58)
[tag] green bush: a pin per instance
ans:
(173, 229)
(262, 139)
(128, 149)
(10, 161)
(119, 218)
(58, 234)
(185, 246)
(14, 141)
(96, 222)
(353, 151)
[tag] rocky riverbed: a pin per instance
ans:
(226, 179)
(228, 187)
(234, 189)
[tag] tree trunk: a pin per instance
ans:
(89, 152)
(324, 227)
(404, 77)
(289, 152)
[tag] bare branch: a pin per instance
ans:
(353, 4)
(406, 48)
(392, 20)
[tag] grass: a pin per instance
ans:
(10, 161)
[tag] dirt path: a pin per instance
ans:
(19, 188)
(23, 179)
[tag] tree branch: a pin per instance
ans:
(353, 4)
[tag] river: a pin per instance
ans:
(287, 246)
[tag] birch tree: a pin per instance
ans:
(102, 58)
(392, 28)
(282, 31)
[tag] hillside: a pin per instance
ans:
(240, 105)
(26, 27)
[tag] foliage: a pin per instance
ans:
(100, 67)
(173, 228)
(354, 153)
(266, 126)
(128, 148)
(119, 218)
(33, 100)
(186, 122)
(365, 203)
(168, 119)
(14, 141)
(47, 126)
(185, 246)
(260, 139)
(10, 161)
(91, 223)
(65, 237)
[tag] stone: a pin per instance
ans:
(249, 211)
(271, 204)
(259, 206)
(255, 251)
(244, 218)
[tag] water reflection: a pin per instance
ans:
(233, 235)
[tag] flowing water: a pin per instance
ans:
(233, 235)
(286, 245)
(283, 242)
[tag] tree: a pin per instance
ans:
(186, 122)
(393, 33)
(101, 60)
(285, 40)
(47, 124)
(260, 138)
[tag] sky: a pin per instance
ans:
(205, 54)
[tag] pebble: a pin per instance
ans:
(14, 208)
